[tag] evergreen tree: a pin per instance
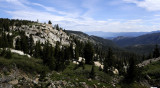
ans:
(150, 56)
(37, 50)
(105, 69)
(10, 41)
(8, 54)
(57, 50)
(67, 53)
(71, 50)
(92, 73)
(49, 22)
(18, 44)
(61, 60)
(4, 40)
(24, 44)
(31, 45)
(88, 53)
(57, 56)
(48, 56)
(109, 61)
(156, 52)
(57, 27)
(132, 72)
(76, 53)
(3, 53)
(100, 68)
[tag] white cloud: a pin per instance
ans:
(76, 21)
(157, 15)
(91, 7)
(86, 24)
(28, 15)
(17, 4)
(51, 9)
(150, 5)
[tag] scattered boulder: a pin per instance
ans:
(36, 81)
(95, 86)
(115, 71)
(13, 82)
(98, 64)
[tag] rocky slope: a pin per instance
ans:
(43, 33)
(149, 61)
(94, 39)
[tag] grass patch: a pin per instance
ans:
(133, 85)
(82, 75)
(153, 70)
(24, 63)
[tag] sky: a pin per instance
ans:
(88, 15)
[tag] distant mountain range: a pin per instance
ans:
(147, 39)
(111, 35)
(143, 44)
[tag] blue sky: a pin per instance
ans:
(88, 15)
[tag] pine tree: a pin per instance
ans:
(57, 56)
(49, 22)
(10, 41)
(76, 53)
(109, 61)
(57, 50)
(3, 53)
(17, 44)
(92, 73)
(24, 44)
(132, 72)
(4, 40)
(57, 27)
(71, 50)
(37, 50)
(8, 54)
(88, 53)
(48, 56)
(31, 45)
(67, 53)
(156, 52)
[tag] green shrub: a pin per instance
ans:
(24, 63)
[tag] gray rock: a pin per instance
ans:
(95, 86)
(6, 85)
(13, 82)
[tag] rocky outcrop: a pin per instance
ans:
(149, 61)
(83, 37)
(20, 52)
(16, 78)
(98, 64)
(43, 33)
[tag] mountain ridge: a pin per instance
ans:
(152, 38)
(111, 35)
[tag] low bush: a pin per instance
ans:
(24, 63)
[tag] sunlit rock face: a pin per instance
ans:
(44, 33)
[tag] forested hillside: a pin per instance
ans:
(147, 39)
(40, 55)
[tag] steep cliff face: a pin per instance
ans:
(43, 33)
